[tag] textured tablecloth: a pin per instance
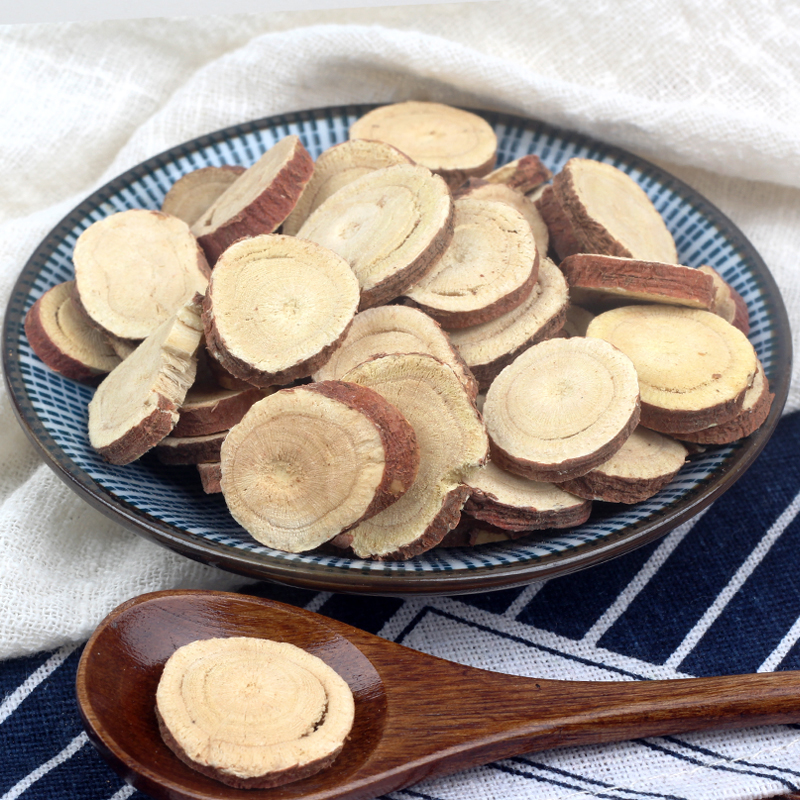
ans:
(711, 94)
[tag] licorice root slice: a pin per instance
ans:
(561, 408)
(208, 410)
(489, 268)
(524, 174)
(336, 167)
(644, 465)
(137, 404)
(565, 239)
(455, 144)
(729, 304)
(452, 440)
(210, 474)
(201, 449)
(252, 713)
(64, 338)
(490, 347)
(514, 503)
(307, 463)
(259, 201)
(694, 368)
(134, 269)
(394, 329)
(754, 412)
(612, 213)
(596, 278)
(277, 307)
(482, 190)
(192, 194)
(390, 225)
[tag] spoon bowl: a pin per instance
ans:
(417, 716)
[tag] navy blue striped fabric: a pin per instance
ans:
(721, 596)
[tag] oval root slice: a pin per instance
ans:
(490, 347)
(643, 466)
(514, 503)
(489, 268)
(394, 329)
(455, 144)
(276, 308)
(305, 464)
(134, 269)
(259, 200)
(390, 225)
(336, 167)
(694, 368)
(252, 713)
(561, 408)
(193, 193)
(65, 339)
(524, 174)
(452, 440)
(137, 404)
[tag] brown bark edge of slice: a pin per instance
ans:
(270, 781)
(564, 239)
(55, 357)
(192, 194)
(177, 450)
(485, 507)
(216, 414)
(210, 476)
(524, 174)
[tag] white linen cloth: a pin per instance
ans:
(711, 93)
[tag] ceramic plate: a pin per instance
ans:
(167, 504)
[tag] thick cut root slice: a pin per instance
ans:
(390, 225)
(455, 144)
(561, 409)
(258, 201)
(305, 464)
(336, 167)
(481, 190)
(525, 174)
(490, 347)
(563, 237)
(452, 440)
(514, 503)
(193, 193)
(489, 268)
(597, 279)
(728, 303)
(755, 410)
(611, 213)
(694, 368)
(137, 404)
(210, 409)
(65, 339)
(276, 308)
(644, 465)
(251, 712)
(190, 449)
(395, 329)
(134, 269)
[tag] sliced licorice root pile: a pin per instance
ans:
(561, 408)
(524, 174)
(489, 268)
(307, 463)
(694, 368)
(455, 144)
(753, 414)
(277, 307)
(134, 269)
(252, 713)
(137, 404)
(729, 304)
(514, 503)
(593, 207)
(452, 440)
(336, 167)
(394, 329)
(259, 200)
(482, 190)
(597, 278)
(644, 465)
(63, 337)
(192, 194)
(391, 226)
(490, 347)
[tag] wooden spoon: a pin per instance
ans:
(417, 716)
